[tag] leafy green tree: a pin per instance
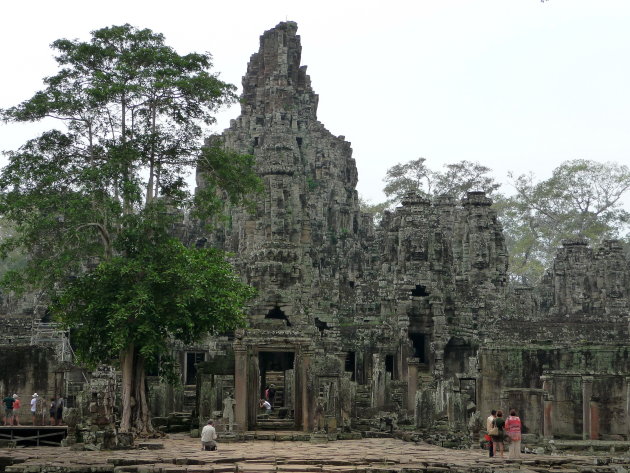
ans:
(581, 199)
(402, 178)
(465, 176)
(95, 205)
(455, 180)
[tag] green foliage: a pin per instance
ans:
(94, 204)
(582, 199)
(160, 290)
(312, 184)
(413, 176)
(456, 180)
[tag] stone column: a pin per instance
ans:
(594, 427)
(307, 410)
(627, 382)
(240, 387)
(547, 406)
(587, 392)
(378, 381)
(412, 382)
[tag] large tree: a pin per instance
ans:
(96, 204)
(455, 179)
(581, 199)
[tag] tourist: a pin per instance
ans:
(52, 410)
(59, 412)
(8, 410)
(271, 392)
(513, 430)
(16, 409)
(34, 400)
(209, 437)
(265, 404)
(491, 417)
(498, 433)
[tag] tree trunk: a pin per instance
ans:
(126, 365)
(136, 416)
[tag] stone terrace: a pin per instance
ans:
(183, 455)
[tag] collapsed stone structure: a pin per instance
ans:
(360, 326)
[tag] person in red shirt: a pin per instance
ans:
(513, 430)
(16, 409)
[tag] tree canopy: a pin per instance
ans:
(95, 205)
(581, 199)
(455, 180)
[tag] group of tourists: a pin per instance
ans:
(501, 429)
(12, 405)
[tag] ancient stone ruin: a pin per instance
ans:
(364, 328)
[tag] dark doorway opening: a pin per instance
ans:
(192, 358)
(350, 364)
(389, 365)
(277, 373)
(419, 343)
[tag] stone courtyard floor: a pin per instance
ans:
(181, 454)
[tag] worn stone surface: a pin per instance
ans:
(368, 455)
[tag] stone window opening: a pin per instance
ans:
(418, 341)
(192, 358)
(389, 365)
(350, 364)
(278, 314)
(299, 141)
(255, 141)
(420, 291)
(351, 284)
(321, 326)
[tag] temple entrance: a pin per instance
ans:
(277, 383)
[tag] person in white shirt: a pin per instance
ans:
(264, 403)
(34, 407)
(489, 420)
(209, 437)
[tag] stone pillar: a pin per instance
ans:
(240, 387)
(627, 381)
(306, 395)
(378, 381)
(594, 427)
(547, 406)
(587, 392)
(412, 382)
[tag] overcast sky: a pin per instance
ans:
(516, 85)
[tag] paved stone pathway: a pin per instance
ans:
(184, 455)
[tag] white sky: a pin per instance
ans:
(517, 85)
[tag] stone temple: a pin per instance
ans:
(365, 328)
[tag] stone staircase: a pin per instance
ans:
(272, 422)
(363, 398)
(189, 401)
(277, 379)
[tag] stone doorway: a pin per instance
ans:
(277, 369)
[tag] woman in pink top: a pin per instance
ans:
(513, 430)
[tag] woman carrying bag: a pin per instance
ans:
(498, 434)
